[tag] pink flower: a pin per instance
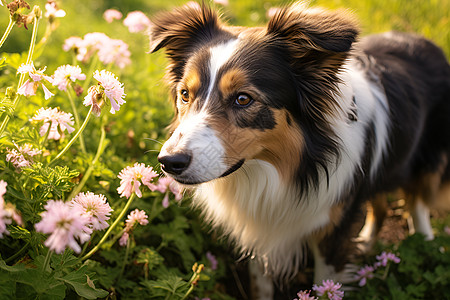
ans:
(384, 257)
(111, 15)
(124, 239)
(167, 182)
(58, 120)
(305, 295)
(4, 220)
(330, 289)
(29, 88)
(94, 207)
(21, 156)
(212, 259)
(65, 224)
(90, 44)
(72, 43)
(135, 217)
(52, 10)
(272, 11)
(65, 74)
(447, 230)
(222, 2)
(108, 86)
(131, 178)
(136, 21)
(114, 51)
(363, 274)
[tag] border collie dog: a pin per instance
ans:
(284, 132)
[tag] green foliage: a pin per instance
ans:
(422, 273)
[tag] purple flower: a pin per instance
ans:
(363, 274)
(212, 259)
(65, 224)
(330, 289)
(384, 257)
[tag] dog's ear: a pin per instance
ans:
(313, 30)
(180, 31)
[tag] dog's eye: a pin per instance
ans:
(243, 100)
(184, 96)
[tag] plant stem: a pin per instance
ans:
(89, 170)
(110, 229)
(18, 253)
(77, 118)
(47, 259)
(7, 31)
(124, 263)
(90, 73)
(22, 76)
(73, 138)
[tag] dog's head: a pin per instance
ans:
(249, 93)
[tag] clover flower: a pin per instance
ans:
(65, 74)
(95, 207)
(4, 220)
(30, 87)
(364, 273)
(167, 183)
(21, 156)
(116, 52)
(384, 257)
(110, 87)
(72, 43)
(212, 260)
(136, 21)
(57, 120)
(131, 178)
(329, 289)
(135, 217)
(305, 295)
(52, 11)
(112, 14)
(222, 2)
(66, 224)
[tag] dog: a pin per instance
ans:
(285, 132)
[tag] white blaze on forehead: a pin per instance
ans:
(220, 54)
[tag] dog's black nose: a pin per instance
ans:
(175, 164)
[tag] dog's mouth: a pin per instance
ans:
(191, 181)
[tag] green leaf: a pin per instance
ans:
(175, 285)
(82, 284)
(150, 258)
(18, 232)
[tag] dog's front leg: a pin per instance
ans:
(261, 284)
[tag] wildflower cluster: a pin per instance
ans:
(327, 290)
(21, 156)
(109, 51)
(368, 272)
